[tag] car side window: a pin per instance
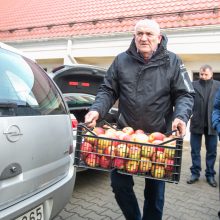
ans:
(25, 89)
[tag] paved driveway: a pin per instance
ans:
(93, 199)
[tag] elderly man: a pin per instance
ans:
(155, 94)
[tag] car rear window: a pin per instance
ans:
(79, 100)
(26, 89)
(76, 80)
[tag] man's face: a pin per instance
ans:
(205, 74)
(146, 40)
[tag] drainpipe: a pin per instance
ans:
(69, 59)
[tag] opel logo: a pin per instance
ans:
(13, 133)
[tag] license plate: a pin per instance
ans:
(35, 214)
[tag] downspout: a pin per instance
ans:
(69, 52)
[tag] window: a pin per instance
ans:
(25, 90)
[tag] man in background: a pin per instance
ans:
(201, 124)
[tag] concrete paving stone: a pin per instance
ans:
(173, 214)
(121, 218)
(85, 204)
(95, 216)
(71, 206)
(96, 208)
(165, 217)
(76, 217)
(64, 215)
(111, 214)
(112, 206)
(89, 196)
(75, 200)
(100, 202)
(190, 217)
(81, 211)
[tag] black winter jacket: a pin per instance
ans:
(197, 122)
(147, 91)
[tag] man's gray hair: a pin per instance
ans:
(152, 24)
(206, 66)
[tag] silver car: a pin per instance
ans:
(36, 172)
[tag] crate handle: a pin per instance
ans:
(170, 132)
(110, 125)
(84, 125)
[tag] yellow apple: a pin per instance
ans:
(134, 152)
(132, 166)
(147, 151)
(145, 165)
(158, 171)
(121, 150)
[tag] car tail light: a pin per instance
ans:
(85, 84)
(71, 83)
(74, 123)
(73, 120)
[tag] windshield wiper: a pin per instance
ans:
(8, 105)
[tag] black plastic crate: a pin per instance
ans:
(155, 161)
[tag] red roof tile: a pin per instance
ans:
(32, 19)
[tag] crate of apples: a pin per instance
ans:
(132, 152)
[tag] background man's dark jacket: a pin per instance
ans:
(197, 120)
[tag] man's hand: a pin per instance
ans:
(90, 118)
(180, 126)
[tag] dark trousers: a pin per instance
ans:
(122, 186)
(211, 152)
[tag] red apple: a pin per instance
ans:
(99, 130)
(123, 136)
(131, 139)
(110, 150)
(132, 166)
(85, 148)
(127, 137)
(134, 152)
(92, 160)
(169, 164)
(128, 130)
(111, 133)
(119, 134)
(119, 163)
(156, 136)
(105, 162)
(158, 142)
(141, 138)
(139, 131)
(145, 165)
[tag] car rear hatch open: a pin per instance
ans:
(79, 85)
